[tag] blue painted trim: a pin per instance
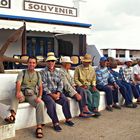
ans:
(46, 20)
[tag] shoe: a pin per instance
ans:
(116, 106)
(131, 105)
(69, 123)
(97, 113)
(109, 108)
(57, 128)
(89, 112)
(84, 116)
(92, 114)
(138, 102)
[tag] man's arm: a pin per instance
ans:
(76, 77)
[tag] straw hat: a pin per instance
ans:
(65, 59)
(51, 56)
(87, 58)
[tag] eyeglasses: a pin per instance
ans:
(51, 61)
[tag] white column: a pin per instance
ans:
(127, 53)
(112, 53)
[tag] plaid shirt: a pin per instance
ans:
(126, 73)
(51, 81)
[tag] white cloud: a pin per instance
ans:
(115, 22)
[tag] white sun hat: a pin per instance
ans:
(65, 59)
(51, 56)
(128, 59)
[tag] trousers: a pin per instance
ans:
(31, 100)
(51, 106)
(111, 95)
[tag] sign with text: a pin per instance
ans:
(49, 8)
(4, 3)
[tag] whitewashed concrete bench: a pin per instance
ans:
(26, 113)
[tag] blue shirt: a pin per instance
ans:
(103, 76)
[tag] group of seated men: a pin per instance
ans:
(51, 86)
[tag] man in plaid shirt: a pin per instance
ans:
(126, 73)
(52, 93)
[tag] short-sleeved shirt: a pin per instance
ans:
(136, 70)
(29, 80)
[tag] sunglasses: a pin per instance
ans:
(51, 61)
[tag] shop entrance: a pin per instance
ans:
(39, 46)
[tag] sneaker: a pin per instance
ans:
(57, 128)
(109, 108)
(97, 113)
(95, 110)
(131, 105)
(69, 123)
(116, 106)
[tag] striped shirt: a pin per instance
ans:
(51, 81)
(103, 76)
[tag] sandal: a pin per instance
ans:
(39, 133)
(10, 119)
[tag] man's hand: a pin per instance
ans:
(94, 88)
(111, 87)
(78, 97)
(116, 86)
(38, 100)
(55, 96)
(19, 96)
(84, 86)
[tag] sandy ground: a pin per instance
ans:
(121, 124)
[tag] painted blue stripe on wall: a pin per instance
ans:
(46, 20)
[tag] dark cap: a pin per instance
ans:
(103, 58)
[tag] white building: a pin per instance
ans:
(50, 26)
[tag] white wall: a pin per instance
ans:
(15, 48)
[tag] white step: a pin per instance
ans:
(26, 113)
(6, 130)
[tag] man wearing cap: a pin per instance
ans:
(124, 89)
(85, 77)
(111, 90)
(70, 88)
(53, 93)
(126, 72)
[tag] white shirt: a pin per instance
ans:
(136, 70)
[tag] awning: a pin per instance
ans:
(10, 24)
(44, 27)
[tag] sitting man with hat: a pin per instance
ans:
(85, 77)
(53, 92)
(127, 74)
(70, 89)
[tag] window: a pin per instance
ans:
(39, 46)
(65, 48)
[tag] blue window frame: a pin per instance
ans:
(39, 45)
